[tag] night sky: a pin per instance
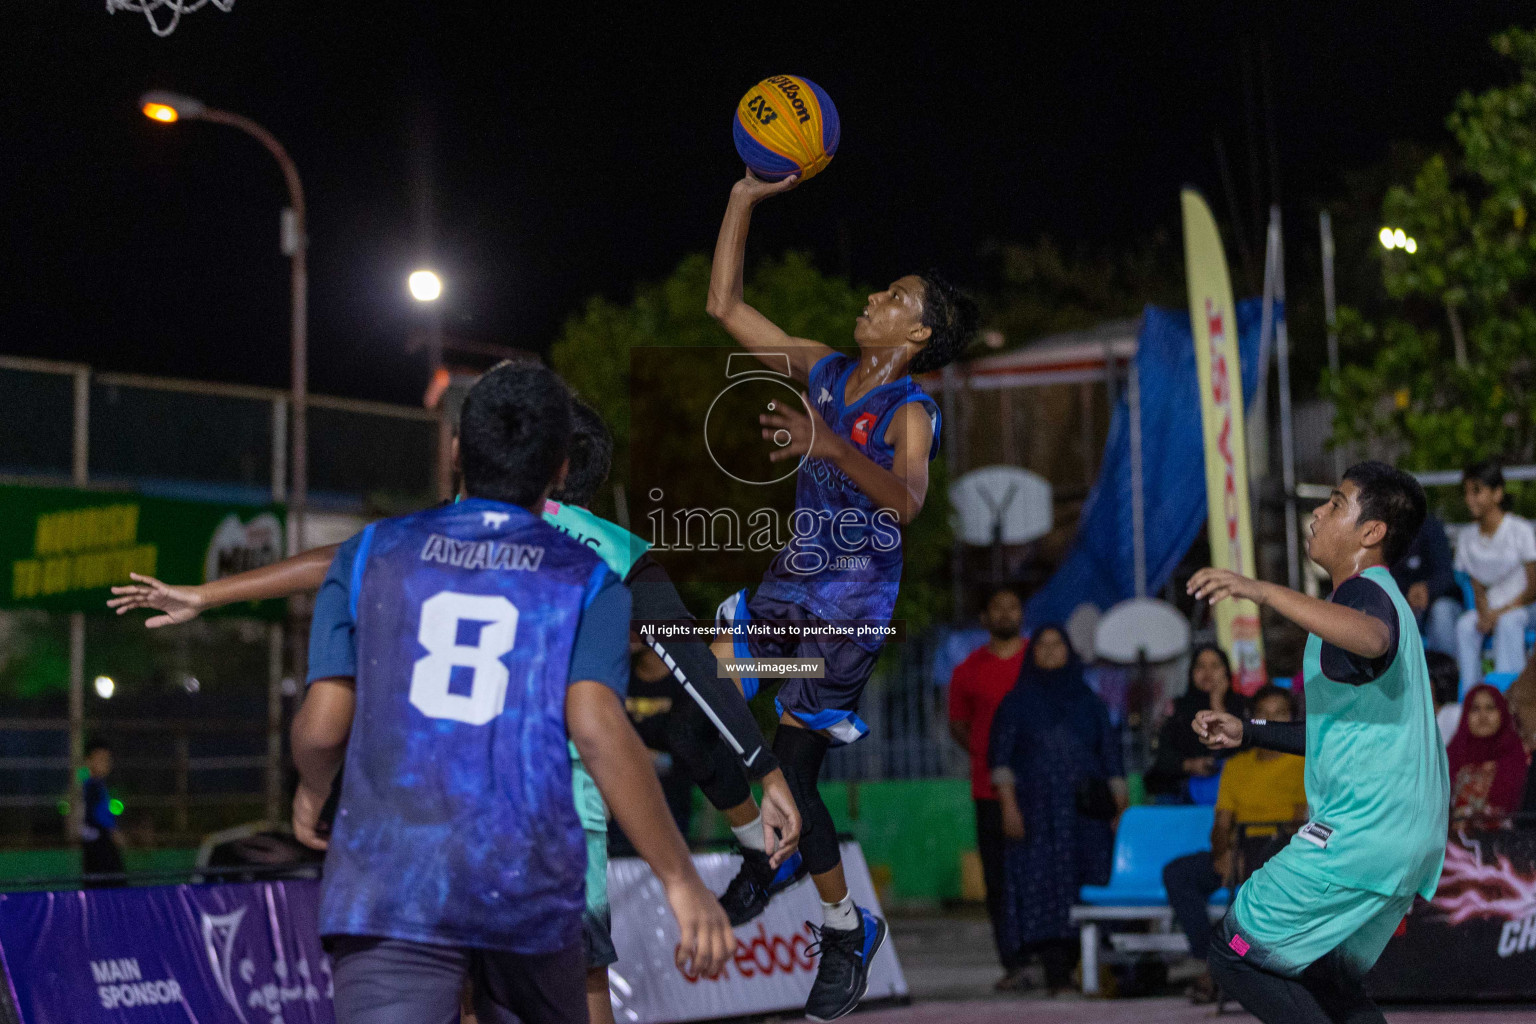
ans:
(537, 158)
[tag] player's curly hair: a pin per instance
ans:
(952, 316)
(514, 432)
(591, 455)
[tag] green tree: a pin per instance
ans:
(1448, 379)
(1038, 289)
(652, 367)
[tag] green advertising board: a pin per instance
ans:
(63, 550)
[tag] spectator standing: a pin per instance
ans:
(1427, 577)
(1180, 755)
(1487, 760)
(1498, 551)
(1258, 787)
(976, 688)
(100, 849)
(1056, 764)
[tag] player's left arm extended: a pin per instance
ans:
(1345, 628)
(319, 740)
(903, 488)
(301, 574)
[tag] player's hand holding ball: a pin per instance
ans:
(1219, 730)
(754, 189)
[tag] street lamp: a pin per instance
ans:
(425, 286)
(1397, 238)
(170, 107)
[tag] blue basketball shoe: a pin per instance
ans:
(842, 978)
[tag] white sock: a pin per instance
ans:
(842, 915)
(750, 835)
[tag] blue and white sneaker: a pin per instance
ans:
(756, 883)
(843, 975)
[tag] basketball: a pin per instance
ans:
(786, 125)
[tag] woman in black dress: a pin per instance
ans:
(1180, 755)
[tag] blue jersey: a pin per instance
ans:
(456, 824)
(844, 559)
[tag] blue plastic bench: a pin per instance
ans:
(1148, 838)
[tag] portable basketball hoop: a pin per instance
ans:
(173, 10)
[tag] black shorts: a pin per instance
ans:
(597, 938)
(829, 704)
(394, 981)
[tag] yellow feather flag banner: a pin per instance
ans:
(1213, 318)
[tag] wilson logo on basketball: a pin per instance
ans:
(765, 955)
(862, 426)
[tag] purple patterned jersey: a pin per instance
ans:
(843, 561)
(456, 824)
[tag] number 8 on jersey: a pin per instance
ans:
(445, 616)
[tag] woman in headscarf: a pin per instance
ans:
(1180, 755)
(1488, 762)
(1056, 765)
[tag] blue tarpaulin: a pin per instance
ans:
(1099, 569)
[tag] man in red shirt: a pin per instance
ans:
(976, 688)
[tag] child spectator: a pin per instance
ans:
(99, 842)
(1498, 551)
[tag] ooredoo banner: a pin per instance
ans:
(773, 966)
(250, 953)
(242, 952)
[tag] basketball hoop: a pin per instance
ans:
(174, 8)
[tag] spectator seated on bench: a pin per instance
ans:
(1148, 838)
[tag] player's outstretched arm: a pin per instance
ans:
(620, 766)
(319, 740)
(297, 575)
(1346, 628)
(755, 332)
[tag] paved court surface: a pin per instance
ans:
(1166, 1010)
(950, 967)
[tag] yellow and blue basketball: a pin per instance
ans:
(786, 125)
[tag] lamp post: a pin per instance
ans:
(168, 108)
(426, 287)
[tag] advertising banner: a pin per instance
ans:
(250, 952)
(773, 967)
(62, 550)
(247, 953)
(1477, 938)
(1213, 316)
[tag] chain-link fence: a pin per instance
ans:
(195, 714)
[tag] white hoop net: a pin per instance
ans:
(172, 10)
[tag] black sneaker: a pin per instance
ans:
(756, 883)
(843, 975)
